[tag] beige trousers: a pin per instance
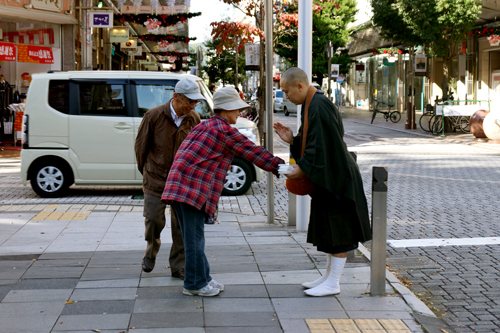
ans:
(154, 213)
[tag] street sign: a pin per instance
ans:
(340, 79)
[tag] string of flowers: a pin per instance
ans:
(170, 62)
(389, 51)
(173, 53)
(484, 32)
(169, 38)
(167, 20)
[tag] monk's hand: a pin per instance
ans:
(297, 172)
(284, 132)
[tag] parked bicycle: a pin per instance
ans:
(394, 116)
(425, 118)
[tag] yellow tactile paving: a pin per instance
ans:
(368, 324)
(42, 215)
(54, 216)
(68, 216)
(357, 326)
(392, 324)
(344, 325)
(316, 325)
(51, 206)
(81, 216)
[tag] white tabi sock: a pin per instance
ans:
(331, 285)
(323, 278)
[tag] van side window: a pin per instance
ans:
(59, 95)
(102, 99)
(151, 95)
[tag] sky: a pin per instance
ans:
(211, 11)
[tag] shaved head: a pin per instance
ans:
(294, 75)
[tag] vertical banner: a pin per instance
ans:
(252, 57)
(7, 52)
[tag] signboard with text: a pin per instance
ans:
(35, 54)
(7, 52)
(252, 56)
(55, 5)
(101, 19)
(119, 35)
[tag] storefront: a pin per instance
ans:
(31, 41)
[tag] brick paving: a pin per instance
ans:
(438, 188)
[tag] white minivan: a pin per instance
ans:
(80, 128)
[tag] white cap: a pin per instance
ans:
(228, 99)
(189, 88)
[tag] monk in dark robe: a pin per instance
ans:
(339, 213)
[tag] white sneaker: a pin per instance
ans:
(206, 291)
(216, 284)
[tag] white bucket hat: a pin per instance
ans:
(189, 88)
(228, 99)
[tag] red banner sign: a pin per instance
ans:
(35, 54)
(7, 52)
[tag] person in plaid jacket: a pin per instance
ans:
(197, 177)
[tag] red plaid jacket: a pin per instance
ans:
(200, 166)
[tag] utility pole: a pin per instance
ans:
(236, 57)
(330, 51)
(269, 105)
(304, 63)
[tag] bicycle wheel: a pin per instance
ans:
(463, 124)
(424, 121)
(437, 126)
(373, 115)
(395, 116)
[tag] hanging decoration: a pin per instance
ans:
(393, 51)
(171, 62)
(163, 45)
(121, 3)
(484, 32)
(166, 20)
(173, 53)
(167, 38)
(137, 3)
(494, 40)
(152, 25)
(155, 4)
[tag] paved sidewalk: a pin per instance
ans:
(81, 273)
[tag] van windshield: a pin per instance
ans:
(279, 94)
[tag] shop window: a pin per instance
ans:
(59, 95)
(102, 99)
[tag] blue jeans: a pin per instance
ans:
(192, 223)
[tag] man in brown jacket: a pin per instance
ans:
(162, 131)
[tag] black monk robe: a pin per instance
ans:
(339, 212)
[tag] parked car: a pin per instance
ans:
(80, 128)
(278, 100)
(289, 107)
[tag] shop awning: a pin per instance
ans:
(366, 40)
(37, 15)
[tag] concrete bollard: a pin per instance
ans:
(379, 231)
(351, 254)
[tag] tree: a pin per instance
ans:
(234, 36)
(220, 66)
(442, 24)
(330, 23)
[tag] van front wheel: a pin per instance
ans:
(50, 180)
(285, 111)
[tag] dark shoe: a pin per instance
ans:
(179, 274)
(147, 264)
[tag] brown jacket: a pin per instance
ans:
(158, 139)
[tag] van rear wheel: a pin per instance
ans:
(50, 180)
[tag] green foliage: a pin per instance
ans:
(441, 24)
(330, 21)
(391, 25)
(221, 67)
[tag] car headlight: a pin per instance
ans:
(251, 133)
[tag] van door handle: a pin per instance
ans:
(122, 126)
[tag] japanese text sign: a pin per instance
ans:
(35, 54)
(7, 52)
